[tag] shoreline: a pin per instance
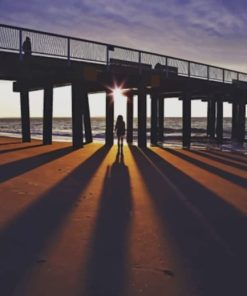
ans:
(172, 142)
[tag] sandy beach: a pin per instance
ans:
(89, 222)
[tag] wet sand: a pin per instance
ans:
(89, 222)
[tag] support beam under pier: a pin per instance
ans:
(109, 118)
(77, 93)
(186, 122)
(130, 115)
(25, 116)
(47, 116)
(142, 115)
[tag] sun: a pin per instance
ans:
(117, 93)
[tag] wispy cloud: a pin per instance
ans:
(204, 30)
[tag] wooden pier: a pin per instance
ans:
(93, 67)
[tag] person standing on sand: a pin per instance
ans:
(120, 131)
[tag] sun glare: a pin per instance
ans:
(117, 93)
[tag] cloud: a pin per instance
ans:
(208, 31)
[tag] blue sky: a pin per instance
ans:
(213, 32)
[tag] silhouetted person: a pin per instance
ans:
(27, 47)
(120, 131)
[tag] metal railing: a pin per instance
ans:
(76, 49)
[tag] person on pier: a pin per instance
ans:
(120, 131)
(27, 47)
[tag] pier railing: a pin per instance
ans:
(76, 49)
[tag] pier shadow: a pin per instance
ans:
(220, 159)
(20, 148)
(205, 230)
(25, 237)
(108, 259)
(10, 143)
(212, 169)
(229, 155)
(21, 166)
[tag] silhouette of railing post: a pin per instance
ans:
(86, 117)
(161, 119)
(77, 131)
(47, 116)
(219, 122)
(186, 121)
(154, 118)
(241, 121)
(25, 116)
(109, 118)
(142, 114)
(130, 99)
(211, 118)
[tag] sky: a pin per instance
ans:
(213, 32)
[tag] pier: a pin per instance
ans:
(93, 67)
(150, 220)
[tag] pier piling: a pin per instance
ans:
(154, 119)
(130, 115)
(219, 123)
(25, 116)
(161, 119)
(211, 118)
(77, 136)
(186, 122)
(142, 115)
(47, 116)
(109, 118)
(86, 117)
(241, 122)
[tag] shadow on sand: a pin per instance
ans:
(20, 148)
(10, 143)
(21, 166)
(108, 260)
(25, 237)
(212, 169)
(205, 230)
(220, 159)
(230, 155)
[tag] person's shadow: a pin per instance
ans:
(108, 261)
(119, 158)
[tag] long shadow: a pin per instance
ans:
(220, 159)
(10, 143)
(20, 148)
(226, 175)
(218, 264)
(236, 156)
(108, 260)
(21, 166)
(23, 239)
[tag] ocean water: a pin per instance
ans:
(62, 128)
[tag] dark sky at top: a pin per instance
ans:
(204, 30)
